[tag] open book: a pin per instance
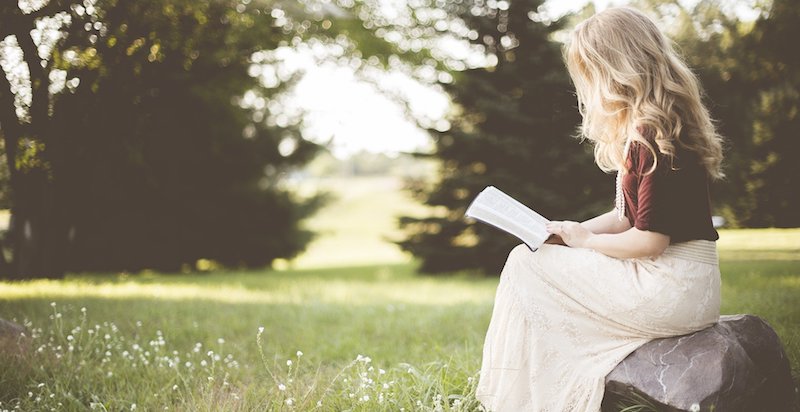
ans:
(502, 211)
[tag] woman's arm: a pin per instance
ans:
(607, 223)
(632, 243)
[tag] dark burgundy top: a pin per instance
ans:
(672, 200)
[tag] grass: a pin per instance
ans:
(343, 237)
(370, 336)
(425, 333)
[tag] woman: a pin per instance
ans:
(566, 315)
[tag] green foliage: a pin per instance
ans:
(158, 162)
(751, 75)
(511, 128)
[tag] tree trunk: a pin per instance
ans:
(37, 234)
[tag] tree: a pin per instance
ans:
(774, 171)
(512, 128)
(154, 151)
(749, 71)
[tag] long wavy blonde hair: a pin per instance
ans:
(628, 77)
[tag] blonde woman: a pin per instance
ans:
(566, 315)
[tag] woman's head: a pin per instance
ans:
(628, 76)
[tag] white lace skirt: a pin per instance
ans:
(563, 318)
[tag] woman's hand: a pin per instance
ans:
(572, 233)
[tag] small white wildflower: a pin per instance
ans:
(40, 385)
(365, 398)
(260, 329)
(220, 341)
(299, 353)
(695, 407)
(133, 406)
(83, 310)
(319, 404)
(381, 371)
(174, 387)
(290, 401)
(52, 304)
(281, 387)
(288, 362)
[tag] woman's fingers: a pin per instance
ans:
(559, 227)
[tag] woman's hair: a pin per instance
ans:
(627, 77)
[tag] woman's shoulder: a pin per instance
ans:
(645, 151)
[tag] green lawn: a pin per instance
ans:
(371, 333)
(424, 333)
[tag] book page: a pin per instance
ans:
(498, 209)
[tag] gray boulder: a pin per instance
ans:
(14, 339)
(736, 365)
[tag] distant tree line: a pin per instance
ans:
(134, 133)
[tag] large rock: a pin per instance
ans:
(736, 365)
(14, 339)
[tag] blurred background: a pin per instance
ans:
(186, 136)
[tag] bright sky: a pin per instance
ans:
(353, 116)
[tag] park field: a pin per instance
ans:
(350, 325)
(376, 337)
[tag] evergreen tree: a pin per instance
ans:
(513, 128)
(774, 172)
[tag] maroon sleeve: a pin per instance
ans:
(655, 193)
